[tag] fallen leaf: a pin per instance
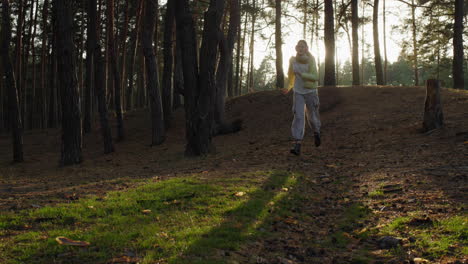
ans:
(284, 189)
(332, 166)
(69, 242)
(239, 194)
(146, 211)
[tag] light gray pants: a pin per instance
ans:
(302, 102)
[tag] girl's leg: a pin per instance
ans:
(297, 127)
(313, 114)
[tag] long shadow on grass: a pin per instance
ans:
(239, 224)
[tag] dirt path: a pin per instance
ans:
(370, 142)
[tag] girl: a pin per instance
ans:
(303, 77)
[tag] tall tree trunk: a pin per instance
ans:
(19, 54)
(377, 57)
(385, 42)
(243, 55)
(252, 45)
(227, 46)
(362, 44)
(178, 76)
(355, 55)
(123, 61)
(167, 87)
(457, 67)
(415, 47)
(319, 64)
(187, 38)
(43, 111)
(304, 18)
(90, 47)
(71, 117)
(53, 104)
(115, 70)
(99, 80)
(13, 104)
(330, 77)
(238, 56)
(25, 87)
(199, 90)
(278, 46)
(134, 40)
(34, 102)
(157, 116)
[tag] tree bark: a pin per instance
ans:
(13, 104)
(134, 40)
(330, 77)
(90, 47)
(415, 47)
(227, 46)
(377, 57)
(157, 116)
(167, 89)
(385, 42)
(433, 115)
(457, 66)
(115, 70)
(99, 80)
(355, 55)
(278, 46)
(43, 109)
(71, 116)
(19, 55)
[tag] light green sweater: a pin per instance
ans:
(310, 78)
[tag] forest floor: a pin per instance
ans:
(376, 191)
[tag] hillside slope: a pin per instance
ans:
(372, 154)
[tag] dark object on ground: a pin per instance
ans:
(388, 242)
(318, 141)
(433, 115)
(296, 150)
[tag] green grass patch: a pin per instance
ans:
(183, 220)
(444, 237)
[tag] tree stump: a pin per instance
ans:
(433, 116)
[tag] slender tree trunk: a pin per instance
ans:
(225, 63)
(43, 111)
(157, 116)
(304, 23)
(385, 42)
(99, 79)
(355, 55)
(178, 76)
(362, 45)
(243, 56)
(377, 58)
(90, 47)
(53, 94)
(34, 102)
(25, 87)
(317, 42)
(167, 91)
(71, 117)
(252, 45)
(330, 76)
(13, 104)
(134, 40)
(115, 70)
(123, 61)
(19, 55)
(415, 47)
(457, 68)
(279, 43)
(238, 56)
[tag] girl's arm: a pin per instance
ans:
(312, 75)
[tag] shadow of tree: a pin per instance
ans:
(239, 225)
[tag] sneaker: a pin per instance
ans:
(317, 139)
(296, 150)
